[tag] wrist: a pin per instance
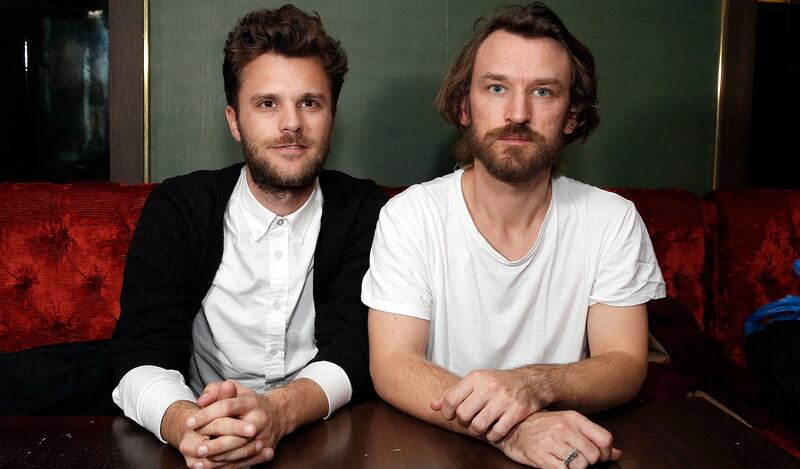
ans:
(277, 404)
(538, 380)
(300, 402)
(173, 423)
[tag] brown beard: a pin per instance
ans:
(268, 177)
(515, 163)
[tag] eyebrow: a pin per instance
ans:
(318, 96)
(257, 98)
(501, 77)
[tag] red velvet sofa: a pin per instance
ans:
(62, 254)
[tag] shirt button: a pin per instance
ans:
(273, 352)
(278, 254)
(276, 305)
(280, 222)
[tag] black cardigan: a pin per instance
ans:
(176, 251)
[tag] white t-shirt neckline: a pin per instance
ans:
(484, 243)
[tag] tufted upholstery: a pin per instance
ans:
(62, 252)
(675, 221)
(754, 238)
(63, 247)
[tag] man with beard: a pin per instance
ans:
(244, 282)
(504, 291)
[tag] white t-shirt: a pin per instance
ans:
(429, 261)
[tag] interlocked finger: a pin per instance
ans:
(220, 445)
(249, 450)
(227, 426)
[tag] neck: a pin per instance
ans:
(281, 202)
(509, 216)
(514, 205)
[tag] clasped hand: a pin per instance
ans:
(234, 427)
(489, 402)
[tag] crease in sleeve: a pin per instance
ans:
(145, 393)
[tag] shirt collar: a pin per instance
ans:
(260, 219)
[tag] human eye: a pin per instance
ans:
(309, 103)
(542, 92)
(496, 89)
(268, 104)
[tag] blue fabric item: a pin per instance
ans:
(785, 309)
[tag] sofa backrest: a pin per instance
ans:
(62, 252)
(754, 238)
(63, 247)
(675, 221)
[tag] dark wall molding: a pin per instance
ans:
(127, 91)
(737, 49)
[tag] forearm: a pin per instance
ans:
(300, 402)
(410, 383)
(592, 385)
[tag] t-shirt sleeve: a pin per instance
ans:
(397, 280)
(627, 270)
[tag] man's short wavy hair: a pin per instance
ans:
(531, 21)
(287, 31)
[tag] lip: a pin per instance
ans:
(514, 140)
(290, 147)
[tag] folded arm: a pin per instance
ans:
(493, 401)
(404, 378)
(402, 375)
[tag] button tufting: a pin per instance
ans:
(58, 241)
(25, 279)
(94, 283)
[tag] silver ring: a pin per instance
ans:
(570, 457)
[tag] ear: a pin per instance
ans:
(572, 121)
(463, 112)
(233, 123)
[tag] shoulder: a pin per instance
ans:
(202, 180)
(349, 201)
(197, 194)
(343, 188)
(596, 203)
(431, 196)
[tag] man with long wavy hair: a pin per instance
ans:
(504, 293)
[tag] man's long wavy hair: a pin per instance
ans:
(531, 21)
(287, 31)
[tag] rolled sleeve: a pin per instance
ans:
(145, 392)
(333, 380)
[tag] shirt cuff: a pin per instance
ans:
(333, 381)
(145, 393)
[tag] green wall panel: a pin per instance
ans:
(657, 66)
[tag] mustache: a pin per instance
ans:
(289, 139)
(517, 131)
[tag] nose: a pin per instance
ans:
(291, 120)
(518, 109)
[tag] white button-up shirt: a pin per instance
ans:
(256, 323)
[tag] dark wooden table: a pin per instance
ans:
(685, 434)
